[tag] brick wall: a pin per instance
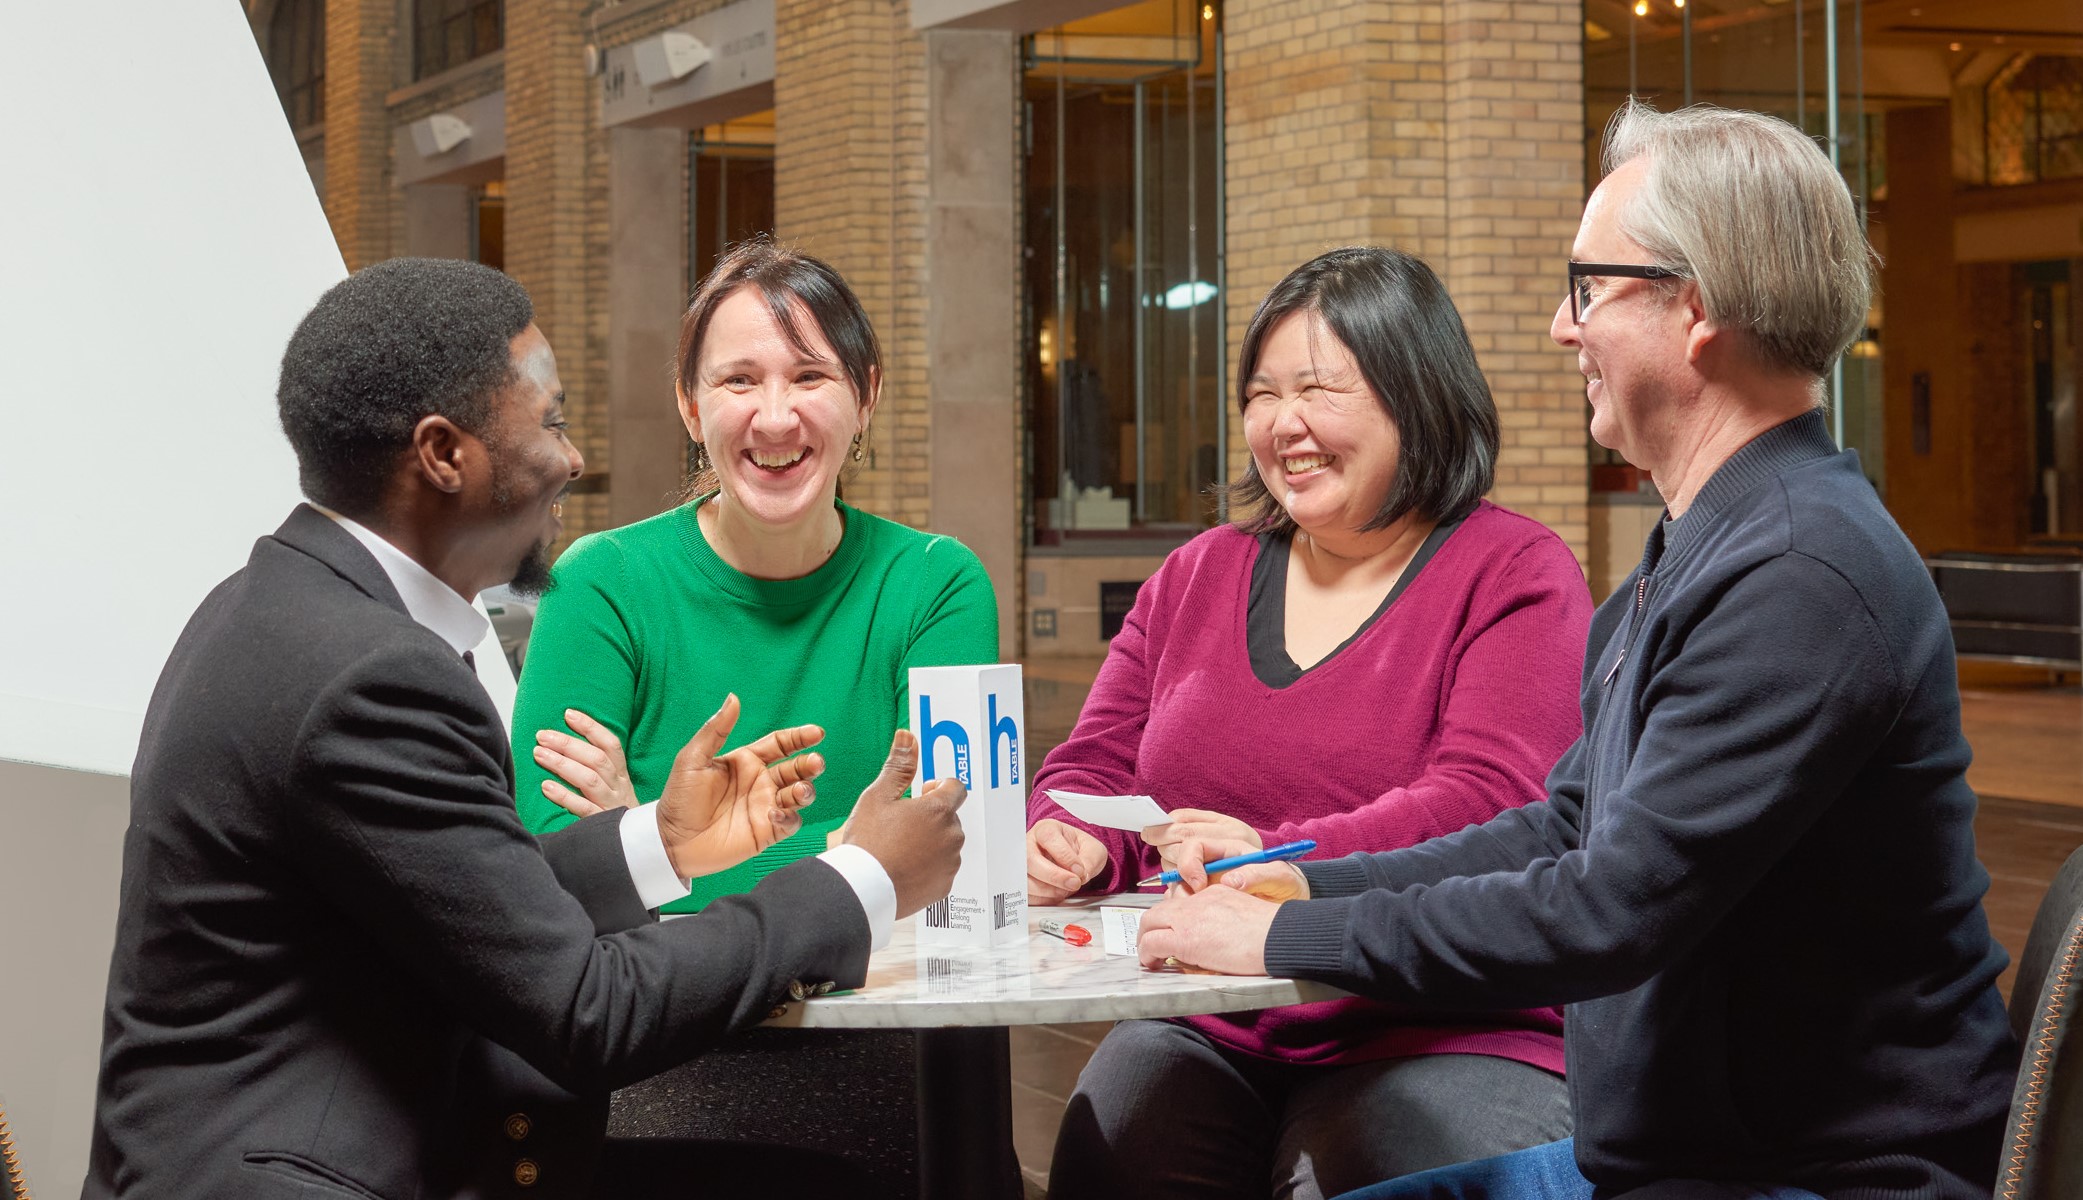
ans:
(1514, 103)
(361, 49)
(556, 216)
(1449, 130)
(849, 187)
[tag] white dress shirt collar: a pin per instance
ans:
(429, 601)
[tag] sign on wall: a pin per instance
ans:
(734, 46)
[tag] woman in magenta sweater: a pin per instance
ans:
(1371, 656)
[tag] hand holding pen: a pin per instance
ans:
(1219, 834)
(1195, 876)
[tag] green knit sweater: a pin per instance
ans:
(648, 629)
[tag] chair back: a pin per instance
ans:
(2038, 1163)
(14, 1185)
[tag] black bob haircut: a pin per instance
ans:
(1394, 316)
(391, 344)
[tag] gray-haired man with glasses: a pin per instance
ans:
(1753, 882)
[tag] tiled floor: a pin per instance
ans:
(2028, 742)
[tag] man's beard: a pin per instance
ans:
(534, 576)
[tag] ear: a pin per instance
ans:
(690, 415)
(874, 396)
(1701, 331)
(444, 454)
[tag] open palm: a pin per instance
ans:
(719, 810)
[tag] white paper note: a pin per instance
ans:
(1133, 813)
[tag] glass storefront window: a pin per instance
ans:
(2046, 301)
(488, 224)
(449, 33)
(1124, 282)
(296, 59)
(1795, 59)
(730, 189)
(2032, 121)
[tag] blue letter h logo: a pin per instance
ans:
(957, 739)
(1002, 727)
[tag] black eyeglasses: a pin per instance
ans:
(1581, 275)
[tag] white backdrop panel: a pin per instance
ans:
(159, 239)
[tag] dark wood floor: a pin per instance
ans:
(2027, 734)
(2022, 843)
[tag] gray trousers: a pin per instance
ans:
(1162, 1112)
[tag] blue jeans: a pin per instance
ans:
(1547, 1173)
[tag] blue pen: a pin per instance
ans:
(1276, 854)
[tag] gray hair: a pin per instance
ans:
(1748, 208)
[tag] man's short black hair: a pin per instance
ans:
(1396, 319)
(387, 346)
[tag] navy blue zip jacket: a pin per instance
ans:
(1753, 882)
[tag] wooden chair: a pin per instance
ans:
(2043, 1156)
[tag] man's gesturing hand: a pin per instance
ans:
(918, 841)
(718, 812)
(1221, 929)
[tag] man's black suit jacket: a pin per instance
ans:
(340, 960)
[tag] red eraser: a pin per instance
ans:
(1076, 935)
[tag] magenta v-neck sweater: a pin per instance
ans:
(1448, 709)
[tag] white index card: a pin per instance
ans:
(1133, 813)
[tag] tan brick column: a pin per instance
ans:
(849, 187)
(1331, 134)
(360, 61)
(556, 217)
(1449, 130)
(1515, 187)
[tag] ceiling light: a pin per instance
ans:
(1641, 8)
(1187, 295)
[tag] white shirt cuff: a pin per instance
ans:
(650, 867)
(871, 885)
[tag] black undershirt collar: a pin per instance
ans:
(1265, 614)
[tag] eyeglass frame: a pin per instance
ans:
(1579, 270)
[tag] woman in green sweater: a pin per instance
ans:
(764, 584)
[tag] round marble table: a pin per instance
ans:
(962, 1000)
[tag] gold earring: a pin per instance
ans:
(701, 457)
(859, 455)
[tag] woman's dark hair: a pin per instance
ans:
(394, 342)
(1392, 313)
(784, 278)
